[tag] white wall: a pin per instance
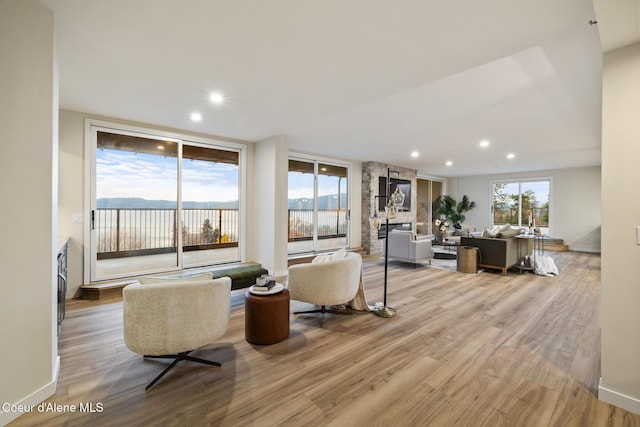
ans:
(28, 170)
(620, 289)
(575, 214)
(270, 200)
(71, 195)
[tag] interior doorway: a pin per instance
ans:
(429, 190)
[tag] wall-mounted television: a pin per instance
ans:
(405, 187)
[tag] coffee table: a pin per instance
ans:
(451, 248)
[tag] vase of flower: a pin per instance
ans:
(441, 227)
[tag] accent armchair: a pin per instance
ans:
(171, 318)
(327, 280)
(404, 247)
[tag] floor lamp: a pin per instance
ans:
(391, 201)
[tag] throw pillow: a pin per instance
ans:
(498, 228)
(507, 234)
(487, 233)
(321, 259)
(463, 233)
(340, 254)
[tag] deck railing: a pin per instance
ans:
(510, 216)
(331, 223)
(124, 232)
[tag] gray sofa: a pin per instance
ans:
(499, 253)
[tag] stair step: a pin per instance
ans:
(554, 245)
(557, 248)
(101, 291)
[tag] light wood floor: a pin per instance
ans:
(464, 350)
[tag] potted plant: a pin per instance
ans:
(455, 211)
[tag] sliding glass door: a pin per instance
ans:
(302, 205)
(136, 199)
(160, 204)
(522, 203)
(332, 216)
(428, 192)
(318, 211)
(210, 212)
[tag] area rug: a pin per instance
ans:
(436, 263)
(439, 264)
(443, 264)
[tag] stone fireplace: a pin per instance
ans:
(371, 173)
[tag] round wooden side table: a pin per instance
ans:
(266, 317)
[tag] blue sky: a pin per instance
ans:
(152, 177)
(301, 185)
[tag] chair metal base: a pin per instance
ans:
(177, 358)
(323, 309)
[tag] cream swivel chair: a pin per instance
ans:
(171, 318)
(327, 280)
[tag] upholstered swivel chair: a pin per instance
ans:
(327, 280)
(170, 319)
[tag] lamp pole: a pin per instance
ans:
(386, 311)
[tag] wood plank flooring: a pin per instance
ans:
(464, 350)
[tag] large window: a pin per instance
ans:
(522, 203)
(160, 202)
(318, 206)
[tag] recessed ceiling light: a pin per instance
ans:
(414, 154)
(484, 143)
(196, 117)
(511, 156)
(160, 147)
(449, 163)
(216, 98)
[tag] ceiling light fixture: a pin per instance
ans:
(414, 154)
(216, 98)
(449, 163)
(484, 143)
(511, 156)
(196, 117)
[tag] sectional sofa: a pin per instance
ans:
(499, 253)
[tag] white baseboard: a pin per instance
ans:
(34, 398)
(620, 400)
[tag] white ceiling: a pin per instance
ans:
(618, 23)
(351, 79)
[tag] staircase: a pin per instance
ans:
(104, 291)
(554, 245)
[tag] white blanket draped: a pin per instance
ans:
(545, 266)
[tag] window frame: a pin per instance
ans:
(545, 230)
(92, 125)
(316, 161)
